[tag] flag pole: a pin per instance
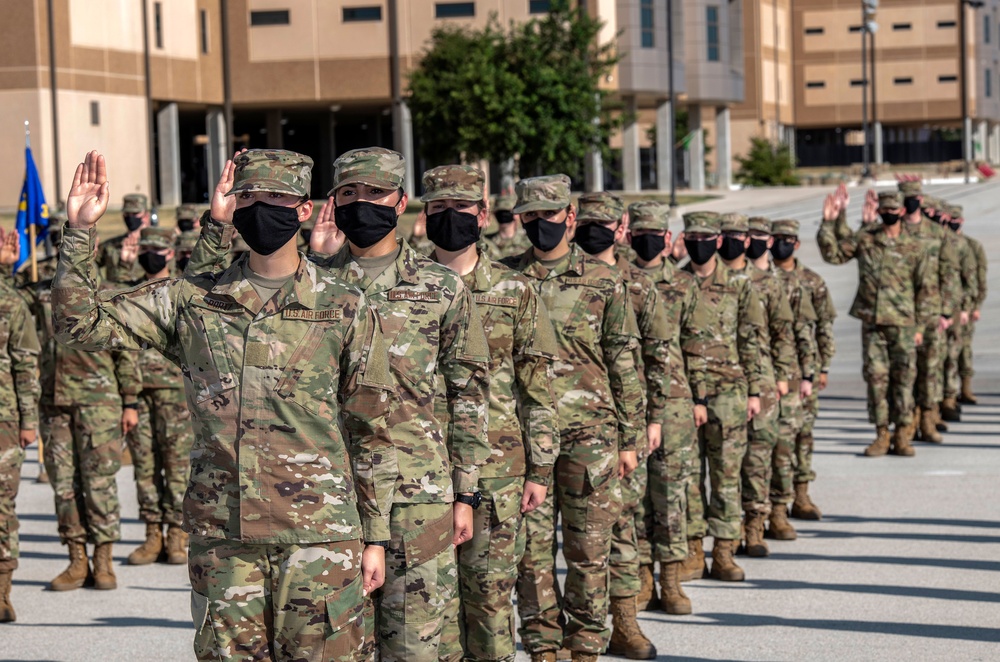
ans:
(31, 227)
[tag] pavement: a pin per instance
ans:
(904, 565)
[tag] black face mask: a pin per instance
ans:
(544, 235)
(266, 228)
(185, 225)
(133, 222)
(182, 262)
(365, 223)
(732, 248)
(889, 218)
(757, 248)
(649, 246)
(954, 225)
(152, 263)
(911, 204)
(700, 250)
(452, 230)
(594, 238)
(504, 216)
(782, 249)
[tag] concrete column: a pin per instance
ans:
(696, 150)
(723, 149)
(967, 140)
(994, 155)
(877, 138)
(402, 134)
(507, 176)
(275, 134)
(215, 150)
(789, 139)
(169, 144)
(979, 145)
(593, 171)
(665, 140)
(630, 148)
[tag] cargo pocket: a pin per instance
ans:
(604, 499)
(423, 547)
(504, 527)
(345, 612)
(206, 646)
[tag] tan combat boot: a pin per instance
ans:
(753, 524)
(780, 528)
(967, 397)
(78, 571)
(675, 600)
(177, 544)
(881, 444)
(104, 572)
(149, 551)
(803, 507)
(928, 429)
(7, 614)
(693, 567)
(43, 475)
(901, 441)
(939, 425)
(545, 656)
(584, 657)
(724, 566)
(627, 639)
(950, 411)
(917, 420)
(647, 600)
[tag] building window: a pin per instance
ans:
(712, 24)
(947, 79)
(946, 24)
(906, 80)
(646, 23)
(986, 29)
(204, 32)
(989, 84)
(95, 113)
(857, 82)
(454, 10)
(815, 84)
(275, 17)
(854, 28)
(158, 24)
(815, 30)
(357, 14)
(539, 6)
(901, 26)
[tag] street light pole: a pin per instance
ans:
(964, 74)
(864, 100)
(669, 139)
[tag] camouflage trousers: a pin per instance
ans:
(624, 559)
(277, 602)
(804, 440)
(418, 606)
(722, 443)
(160, 448)
(954, 341)
(890, 368)
(930, 367)
(586, 494)
(965, 356)
(671, 469)
(83, 450)
(785, 460)
(487, 571)
(11, 459)
(762, 437)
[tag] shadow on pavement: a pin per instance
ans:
(117, 622)
(936, 537)
(972, 523)
(902, 591)
(959, 564)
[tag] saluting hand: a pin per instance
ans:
(326, 237)
(831, 208)
(130, 248)
(224, 206)
(10, 247)
(88, 199)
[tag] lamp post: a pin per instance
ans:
(964, 74)
(669, 139)
(868, 27)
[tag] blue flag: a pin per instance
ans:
(31, 210)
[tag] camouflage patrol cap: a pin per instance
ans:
(504, 202)
(708, 222)
(931, 202)
(187, 241)
(273, 170)
(759, 224)
(373, 166)
(600, 207)
(955, 211)
(453, 182)
(185, 212)
(649, 215)
(134, 203)
(910, 189)
(890, 200)
(157, 237)
(785, 227)
(734, 223)
(542, 193)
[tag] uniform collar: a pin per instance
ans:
(300, 288)
(532, 266)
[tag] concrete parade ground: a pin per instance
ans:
(905, 564)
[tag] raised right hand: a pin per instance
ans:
(831, 208)
(88, 199)
(223, 206)
(326, 237)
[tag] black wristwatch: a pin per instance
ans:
(471, 499)
(132, 405)
(808, 379)
(384, 544)
(701, 401)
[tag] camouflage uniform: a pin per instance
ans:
(498, 247)
(894, 301)
(292, 465)
(600, 404)
(19, 392)
(968, 302)
(109, 258)
(188, 217)
(722, 374)
(522, 349)
(965, 369)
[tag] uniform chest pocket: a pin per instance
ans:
(568, 310)
(209, 366)
(411, 324)
(498, 323)
(310, 374)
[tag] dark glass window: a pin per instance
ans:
(539, 6)
(646, 24)
(352, 14)
(712, 24)
(158, 24)
(815, 30)
(275, 17)
(204, 31)
(816, 84)
(454, 10)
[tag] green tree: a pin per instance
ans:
(767, 164)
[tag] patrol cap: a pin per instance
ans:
(759, 224)
(785, 227)
(734, 223)
(372, 166)
(187, 241)
(911, 189)
(600, 207)
(185, 212)
(542, 193)
(504, 202)
(708, 222)
(931, 202)
(649, 215)
(955, 211)
(890, 200)
(453, 182)
(134, 203)
(273, 170)
(157, 238)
